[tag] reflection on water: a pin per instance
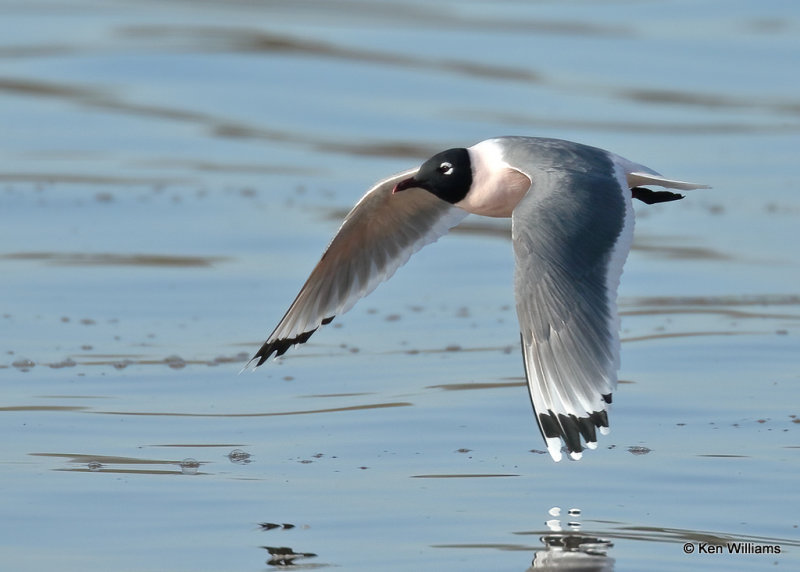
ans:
(81, 463)
(347, 408)
(567, 546)
(698, 302)
(113, 259)
(282, 556)
(214, 125)
(122, 361)
(285, 556)
(563, 550)
(764, 307)
(573, 551)
(250, 40)
(207, 39)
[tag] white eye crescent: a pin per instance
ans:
(446, 168)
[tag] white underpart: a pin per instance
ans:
(497, 187)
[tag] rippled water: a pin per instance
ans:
(170, 172)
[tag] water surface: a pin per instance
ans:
(170, 172)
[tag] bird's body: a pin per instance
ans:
(572, 227)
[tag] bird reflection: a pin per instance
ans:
(571, 550)
(285, 556)
(574, 552)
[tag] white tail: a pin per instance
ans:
(638, 178)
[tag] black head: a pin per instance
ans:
(448, 175)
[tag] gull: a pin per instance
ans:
(571, 210)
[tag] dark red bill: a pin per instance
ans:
(409, 183)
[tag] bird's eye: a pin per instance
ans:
(446, 168)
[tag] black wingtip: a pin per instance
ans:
(651, 197)
(570, 428)
(587, 429)
(570, 432)
(280, 347)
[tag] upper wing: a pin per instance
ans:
(377, 237)
(571, 233)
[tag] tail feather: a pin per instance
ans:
(638, 179)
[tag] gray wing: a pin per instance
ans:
(377, 237)
(571, 234)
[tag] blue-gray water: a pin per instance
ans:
(170, 172)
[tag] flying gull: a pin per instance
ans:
(572, 227)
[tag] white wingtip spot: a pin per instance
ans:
(554, 448)
(591, 445)
(554, 525)
(575, 456)
(604, 430)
